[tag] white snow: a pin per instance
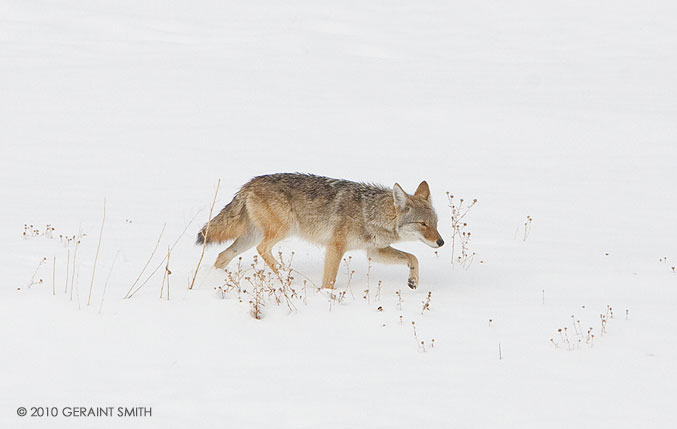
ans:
(562, 112)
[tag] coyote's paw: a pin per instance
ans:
(413, 278)
(412, 283)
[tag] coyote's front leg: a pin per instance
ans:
(332, 260)
(389, 255)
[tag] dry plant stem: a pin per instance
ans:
(35, 272)
(413, 325)
(527, 227)
(148, 262)
(162, 262)
(162, 286)
(468, 262)
(206, 234)
(305, 277)
(426, 304)
(457, 214)
(75, 256)
(350, 274)
(68, 264)
(165, 276)
(77, 289)
(105, 285)
(53, 275)
(96, 257)
(286, 285)
(258, 283)
(168, 272)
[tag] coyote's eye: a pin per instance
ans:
(423, 224)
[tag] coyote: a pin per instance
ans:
(338, 214)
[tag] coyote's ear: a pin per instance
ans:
(400, 196)
(423, 190)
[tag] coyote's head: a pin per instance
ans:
(416, 219)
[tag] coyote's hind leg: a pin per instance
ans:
(265, 247)
(240, 245)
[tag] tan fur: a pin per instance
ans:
(338, 214)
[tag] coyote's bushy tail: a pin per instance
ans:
(229, 224)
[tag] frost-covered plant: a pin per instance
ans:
(31, 231)
(527, 228)
(579, 336)
(426, 303)
(460, 238)
(33, 282)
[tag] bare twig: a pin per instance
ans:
(206, 234)
(77, 289)
(75, 257)
(103, 294)
(304, 276)
(98, 246)
(68, 264)
(166, 275)
(162, 286)
(127, 296)
(53, 275)
(161, 264)
(527, 227)
(42, 261)
(169, 273)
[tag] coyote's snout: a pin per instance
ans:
(338, 214)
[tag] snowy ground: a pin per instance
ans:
(565, 113)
